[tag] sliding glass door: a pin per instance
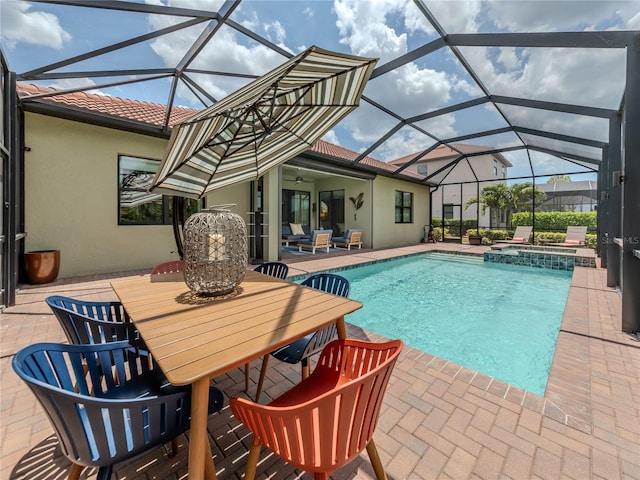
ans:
(332, 211)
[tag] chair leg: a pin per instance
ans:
(263, 374)
(247, 367)
(375, 461)
(104, 473)
(174, 447)
(306, 368)
(252, 462)
(321, 476)
(75, 471)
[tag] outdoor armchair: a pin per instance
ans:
(325, 421)
(318, 239)
(352, 237)
(300, 350)
(106, 403)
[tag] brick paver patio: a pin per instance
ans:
(439, 420)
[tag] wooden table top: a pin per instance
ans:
(192, 337)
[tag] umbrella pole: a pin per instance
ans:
(256, 208)
(179, 214)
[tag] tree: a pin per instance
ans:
(559, 179)
(523, 194)
(498, 198)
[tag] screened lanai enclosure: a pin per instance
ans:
(552, 88)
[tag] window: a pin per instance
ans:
(495, 167)
(448, 211)
(504, 172)
(295, 207)
(423, 169)
(404, 207)
(136, 206)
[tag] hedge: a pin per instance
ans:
(556, 221)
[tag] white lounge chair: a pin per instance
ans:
(575, 238)
(521, 235)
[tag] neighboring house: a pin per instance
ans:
(89, 158)
(578, 196)
(459, 181)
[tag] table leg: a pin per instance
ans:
(341, 327)
(199, 450)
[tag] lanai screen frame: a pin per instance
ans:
(618, 174)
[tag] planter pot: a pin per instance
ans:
(42, 266)
(475, 240)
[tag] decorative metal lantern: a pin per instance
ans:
(215, 251)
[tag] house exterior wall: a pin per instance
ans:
(453, 194)
(71, 201)
(386, 233)
(71, 198)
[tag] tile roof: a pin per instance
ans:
(145, 112)
(442, 151)
(154, 114)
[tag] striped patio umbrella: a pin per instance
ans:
(263, 124)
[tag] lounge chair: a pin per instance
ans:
(521, 235)
(318, 239)
(575, 238)
(351, 237)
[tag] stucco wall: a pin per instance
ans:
(71, 199)
(387, 233)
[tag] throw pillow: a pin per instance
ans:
(296, 229)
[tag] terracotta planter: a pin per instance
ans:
(475, 240)
(42, 266)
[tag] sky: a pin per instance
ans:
(36, 34)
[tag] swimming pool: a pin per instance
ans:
(500, 320)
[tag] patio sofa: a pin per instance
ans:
(289, 237)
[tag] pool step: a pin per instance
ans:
(452, 257)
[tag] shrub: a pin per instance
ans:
(556, 221)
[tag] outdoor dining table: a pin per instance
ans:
(194, 339)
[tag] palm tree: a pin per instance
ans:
(523, 195)
(498, 198)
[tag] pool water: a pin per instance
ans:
(500, 320)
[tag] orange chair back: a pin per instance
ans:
(172, 270)
(326, 420)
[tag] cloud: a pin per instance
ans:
(366, 28)
(18, 23)
(559, 15)
(73, 83)
(225, 52)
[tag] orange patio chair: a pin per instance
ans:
(170, 271)
(325, 421)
